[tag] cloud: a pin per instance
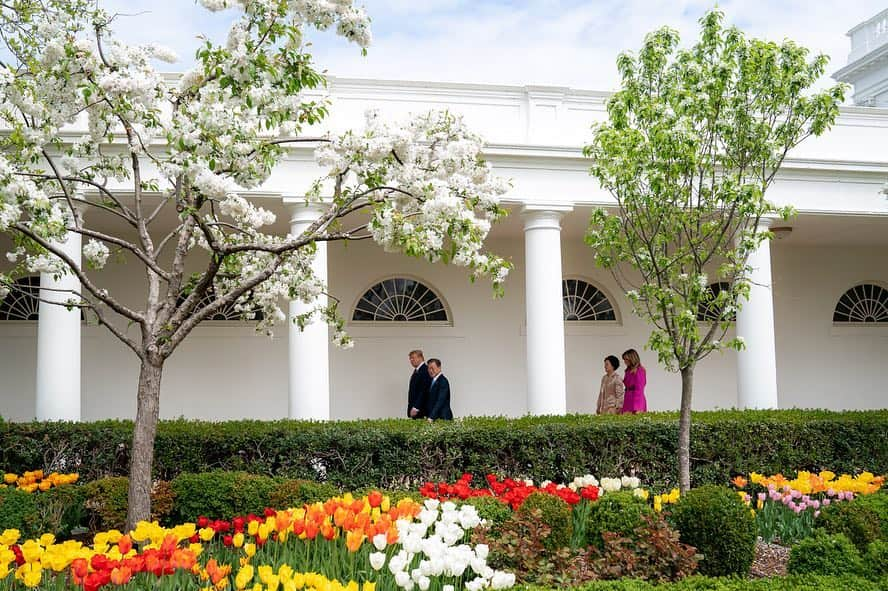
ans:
(560, 42)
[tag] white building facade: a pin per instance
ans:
(816, 326)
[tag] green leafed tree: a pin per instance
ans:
(694, 139)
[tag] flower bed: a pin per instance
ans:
(344, 543)
(787, 509)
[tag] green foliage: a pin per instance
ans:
(402, 454)
(875, 561)
(554, 513)
(18, 510)
(824, 554)
(652, 552)
(221, 495)
(491, 509)
(60, 510)
(693, 141)
(620, 512)
(714, 520)
(296, 493)
(859, 522)
(522, 546)
(878, 504)
(698, 583)
(106, 503)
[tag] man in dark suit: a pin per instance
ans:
(439, 393)
(420, 380)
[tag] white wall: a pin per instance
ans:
(818, 364)
(228, 371)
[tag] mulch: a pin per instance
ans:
(770, 560)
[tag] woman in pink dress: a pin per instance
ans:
(635, 380)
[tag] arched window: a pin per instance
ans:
(864, 303)
(21, 303)
(583, 302)
(226, 313)
(710, 311)
(400, 299)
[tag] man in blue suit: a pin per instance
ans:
(439, 393)
(420, 380)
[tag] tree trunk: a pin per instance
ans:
(142, 453)
(684, 430)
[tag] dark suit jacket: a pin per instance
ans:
(439, 400)
(418, 394)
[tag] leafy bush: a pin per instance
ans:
(858, 521)
(619, 512)
(60, 510)
(554, 513)
(875, 561)
(824, 554)
(878, 503)
(714, 520)
(652, 553)
(105, 501)
(18, 510)
(296, 493)
(399, 453)
(491, 509)
(521, 546)
(220, 495)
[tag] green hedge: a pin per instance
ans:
(402, 453)
(697, 583)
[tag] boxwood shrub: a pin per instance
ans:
(399, 453)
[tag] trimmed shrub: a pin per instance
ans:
(105, 501)
(875, 561)
(18, 510)
(296, 493)
(618, 512)
(720, 526)
(554, 513)
(856, 520)
(824, 554)
(399, 453)
(220, 495)
(491, 509)
(878, 503)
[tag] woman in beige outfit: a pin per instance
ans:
(610, 397)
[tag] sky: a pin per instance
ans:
(570, 43)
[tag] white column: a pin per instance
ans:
(309, 355)
(58, 344)
(757, 362)
(546, 384)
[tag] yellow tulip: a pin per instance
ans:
(10, 478)
(244, 576)
(10, 537)
(237, 540)
(207, 533)
(250, 549)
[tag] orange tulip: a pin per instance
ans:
(353, 540)
(121, 575)
(328, 531)
(125, 544)
(375, 498)
(739, 482)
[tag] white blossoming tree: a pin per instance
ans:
(694, 139)
(420, 188)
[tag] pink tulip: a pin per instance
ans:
(830, 492)
(797, 509)
(761, 496)
(815, 503)
(826, 502)
(816, 514)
